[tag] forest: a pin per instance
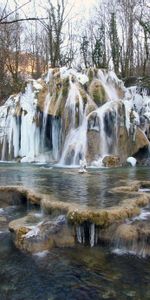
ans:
(115, 35)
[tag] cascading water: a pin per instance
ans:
(106, 123)
(75, 143)
(69, 117)
(110, 82)
(56, 138)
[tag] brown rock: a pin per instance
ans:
(111, 161)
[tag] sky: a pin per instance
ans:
(81, 7)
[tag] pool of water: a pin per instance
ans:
(91, 189)
(71, 274)
(77, 273)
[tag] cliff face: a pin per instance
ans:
(67, 116)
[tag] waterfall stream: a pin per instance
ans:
(68, 119)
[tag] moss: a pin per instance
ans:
(65, 87)
(97, 92)
(126, 232)
(41, 97)
(90, 75)
(83, 95)
(78, 214)
(100, 218)
(99, 96)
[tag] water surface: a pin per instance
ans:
(78, 273)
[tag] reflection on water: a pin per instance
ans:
(91, 189)
(79, 273)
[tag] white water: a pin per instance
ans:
(75, 143)
(109, 81)
(22, 136)
(30, 133)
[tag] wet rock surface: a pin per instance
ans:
(30, 235)
(62, 224)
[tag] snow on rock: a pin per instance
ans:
(82, 78)
(132, 161)
(37, 85)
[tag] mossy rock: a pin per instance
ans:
(111, 161)
(41, 97)
(83, 95)
(91, 74)
(65, 87)
(97, 92)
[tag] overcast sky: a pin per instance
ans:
(81, 7)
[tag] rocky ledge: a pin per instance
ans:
(62, 224)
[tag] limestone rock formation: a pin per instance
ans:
(67, 115)
(30, 235)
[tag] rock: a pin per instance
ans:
(93, 145)
(126, 232)
(126, 147)
(111, 161)
(97, 92)
(41, 236)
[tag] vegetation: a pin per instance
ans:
(116, 35)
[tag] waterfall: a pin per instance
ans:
(75, 145)
(109, 80)
(56, 138)
(140, 248)
(65, 124)
(103, 138)
(75, 142)
(107, 125)
(30, 133)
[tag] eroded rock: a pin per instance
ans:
(40, 236)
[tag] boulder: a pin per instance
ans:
(31, 235)
(127, 147)
(111, 161)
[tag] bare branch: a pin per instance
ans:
(16, 9)
(21, 20)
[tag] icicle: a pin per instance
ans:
(80, 234)
(56, 138)
(92, 234)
